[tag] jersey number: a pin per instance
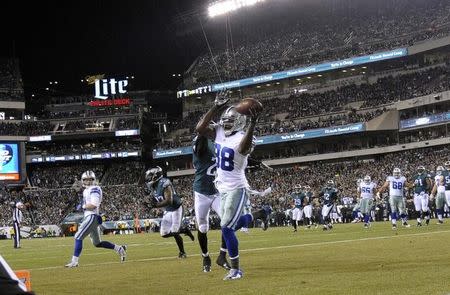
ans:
(366, 190)
(211, 170)
(418, 182)
(225, 157)
(397, 185)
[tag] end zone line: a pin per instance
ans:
(254, 249)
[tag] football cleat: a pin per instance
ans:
(222, 262)
(427, 221)
(123, 253)
(419, 224)
(182, 255)
(405, 224)
(325, 228)
(440, 222)
(394, 226)
(233, 274)
(366, 225)
(71, 264)
(206, 264)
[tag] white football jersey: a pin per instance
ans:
(396, 185)
(230, 163)
(366, 190)
(92, 195)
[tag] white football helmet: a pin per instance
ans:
(88, 178)
(367, 179)
(439, 170)
(232, 121)
(447, 165)
(397, 173)
(153, 175)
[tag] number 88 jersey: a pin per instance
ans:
(396, 186)
(230, 163)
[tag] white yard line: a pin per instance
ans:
(258, 249)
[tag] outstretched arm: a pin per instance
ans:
(246, 145)
(203, 125)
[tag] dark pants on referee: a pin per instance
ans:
(16, 235)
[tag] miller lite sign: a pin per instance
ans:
(105, 87)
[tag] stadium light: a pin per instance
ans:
(225, 6)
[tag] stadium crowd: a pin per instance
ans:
(308, 42)
(325, 108)
(81, 148)
(124, 195)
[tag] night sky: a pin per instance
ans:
(66, 40)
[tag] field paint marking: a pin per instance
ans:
(255, 249)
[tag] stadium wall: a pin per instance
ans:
(428, 45)
(20, 105)
(387, 121)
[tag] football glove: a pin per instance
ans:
(222, 98)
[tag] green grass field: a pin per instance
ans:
(346, 260)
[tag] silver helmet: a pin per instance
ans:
(232, 121)
(88, 178)
(397, 173)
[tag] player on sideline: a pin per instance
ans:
(164, 196)
(206, 197)
(233, 146)
(422, 185)
(92, 198)
(396, 184)
(297, 212)
(329, 195)
(438, 191)
(367, 191)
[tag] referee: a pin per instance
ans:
(17, 219)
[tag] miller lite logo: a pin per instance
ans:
(6, 154)
(105, 87)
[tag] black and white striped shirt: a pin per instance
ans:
(17, 215)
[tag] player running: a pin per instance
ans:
(297, 202)
(328, 195)
(367, 191)
(206, 197)
(92, 198)
(307, 206)
(396, 183)
(233, 146)
(439, 191)
(422, 186)
(164, 196)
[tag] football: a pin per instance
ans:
(244, 106)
